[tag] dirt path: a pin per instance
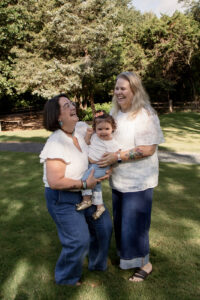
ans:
(164, 156)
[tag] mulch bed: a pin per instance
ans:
(22, 121)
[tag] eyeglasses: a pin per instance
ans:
(68, 105)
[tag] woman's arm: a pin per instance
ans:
(127, 155)
(55, 169)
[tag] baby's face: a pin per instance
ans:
(104, 130)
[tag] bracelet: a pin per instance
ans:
(84, 184)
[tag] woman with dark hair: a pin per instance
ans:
(136, 173)
(65, 159)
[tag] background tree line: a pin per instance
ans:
(78, 47)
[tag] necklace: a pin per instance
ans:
(68, 133)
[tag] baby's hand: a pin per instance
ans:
(88, 135)
(89, 131)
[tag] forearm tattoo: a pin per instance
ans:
(135, 154)
(74, 186)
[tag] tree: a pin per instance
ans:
(133, 56)
(193, 8)
(170, 44)
(75, 48)
(13, 29)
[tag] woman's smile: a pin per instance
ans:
(124, 94)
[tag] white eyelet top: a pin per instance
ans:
(142, 130)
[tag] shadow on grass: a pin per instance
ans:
(184, 121)
(30, 246)
(29, 242)
(16, 138)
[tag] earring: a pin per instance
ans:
(60, 123)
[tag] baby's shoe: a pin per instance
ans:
(98, 212)
(83, 205)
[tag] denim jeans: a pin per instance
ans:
(79, 235)
(132, 219)
(96, 192)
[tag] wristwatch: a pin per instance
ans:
(84, 185)
(119, 160)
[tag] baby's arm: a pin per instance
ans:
(88, 135)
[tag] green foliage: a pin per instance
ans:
(170, 44)
(87, 115)
(74, 51)
(79, 47)
(193, 8)
(12, 32)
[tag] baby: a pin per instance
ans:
(101, 141)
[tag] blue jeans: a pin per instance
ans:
(98, 172)
(79, 235)
(132, 219)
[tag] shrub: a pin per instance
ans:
(86, 115)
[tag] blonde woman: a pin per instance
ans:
(136, 173)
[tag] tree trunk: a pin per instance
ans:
(170, 101)
(92, 105)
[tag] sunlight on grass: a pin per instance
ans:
(18, 275)
(181, 131)
(39, 135)
(193, 227)
(179, 188)
(30, 245)
(27, 133)
(162, 215)
(44, 239)
(13, 209)
(194, 241)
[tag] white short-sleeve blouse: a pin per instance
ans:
(98, 147)
(60, 146)
(141, 174)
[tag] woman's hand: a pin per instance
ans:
(108, 173)
(91, 181)
(109, 158)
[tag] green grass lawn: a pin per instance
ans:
(38, 136)
(30, 246)
(181, 131)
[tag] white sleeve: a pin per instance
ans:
(53, 150)
(147, 130)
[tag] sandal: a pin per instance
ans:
(139, 274)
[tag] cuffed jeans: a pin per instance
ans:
(79, 235)
(132, 219)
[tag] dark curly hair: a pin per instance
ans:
(103, 116)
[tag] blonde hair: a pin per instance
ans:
(140, 96)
